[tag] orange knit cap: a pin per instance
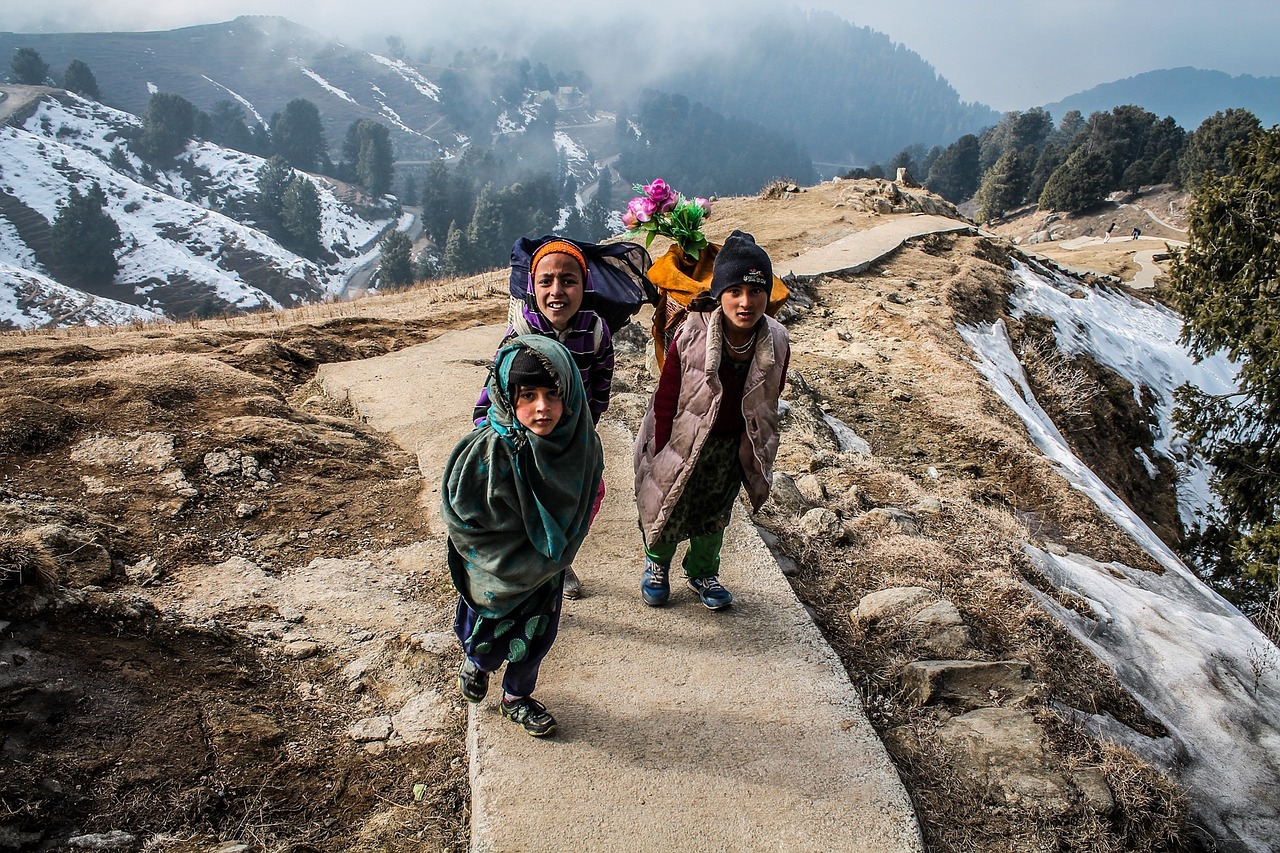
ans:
(561, 246)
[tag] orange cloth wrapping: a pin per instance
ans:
(679, 280)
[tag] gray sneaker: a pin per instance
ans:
(572, 586)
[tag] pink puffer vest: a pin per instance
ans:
(661, 477)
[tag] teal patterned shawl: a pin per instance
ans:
(516, 505)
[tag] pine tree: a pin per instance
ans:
(167, 125)
(27, 68)
(79, 79)
(300, 217)
(1224, 283)
(1005, 184)
(457, 261)
(410, 195)
(366, 156)
(435, 199)
(1208, 147)
(486, 236)
(298, 135)
(119, 160)
(228, 128)
(375, 163)
(530, 207)
(85, 238)
(595, 221)
(273, 180)
(574, 225)
(954, 174)
(395, 267)
(1071, 124)
(1078, 184)
(1050, 158)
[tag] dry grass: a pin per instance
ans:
(400, 303)
(893, 370)
(1055, 375)
(24, 561)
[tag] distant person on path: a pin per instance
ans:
(556, 306)
(516, 501)
(1106, 238)
(1137, 232)
(712, 425)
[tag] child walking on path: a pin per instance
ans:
(516, 500)
(712, 425)
(557, 305)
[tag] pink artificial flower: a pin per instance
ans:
(629, 220)
(663, 196)
(705, 204)
(642, 207)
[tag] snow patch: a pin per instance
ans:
(327, 86)
(411, 76)
(244, 102)
(169, 233)
(1139, 341)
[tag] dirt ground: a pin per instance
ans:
(146, 691)
(153, 684)
(1159, 212)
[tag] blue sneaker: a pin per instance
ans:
(713, 595)
(655, 583)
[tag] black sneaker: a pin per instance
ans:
(472, 681)
(713, 595)
(655, 583)
(530, 714)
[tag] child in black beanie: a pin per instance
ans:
(712, 425)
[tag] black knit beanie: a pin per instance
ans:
(528, 371)
(740, 261)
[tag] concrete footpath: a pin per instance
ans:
(680, 729)
(856, 252)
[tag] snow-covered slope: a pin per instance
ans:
(181, 254)
(1196, 664)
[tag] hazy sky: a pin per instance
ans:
(1009, 54)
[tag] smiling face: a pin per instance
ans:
(558, 288)
(743, 305)
(539, 409)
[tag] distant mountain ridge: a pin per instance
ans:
(1188, 94)
(261, 62)
(849, 94)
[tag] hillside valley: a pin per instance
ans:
(192, 237)
(202, 230)
(213, 576)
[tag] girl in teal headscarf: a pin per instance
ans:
(516, 501)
